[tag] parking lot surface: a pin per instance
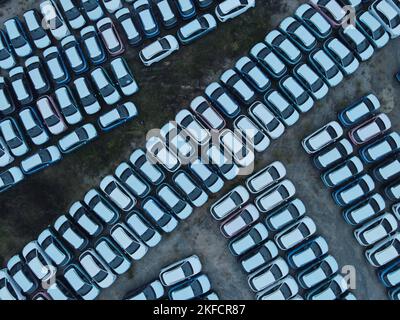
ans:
(165, 89)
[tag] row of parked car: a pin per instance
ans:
(275, 242)
(130, 235)
(181, 280)
(355, 179)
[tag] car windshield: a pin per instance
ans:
(34, 131)
(45, 156)
(348, 59)
(37, 34)
(69, 110)
(361, 47)
(107, 90)
(125, 80)
(14, 143)
(331, 72)
(302, 98)
(52, 120)
(4, 54)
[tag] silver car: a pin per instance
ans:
(225, 166)
(142, 228)
(320, 271)
(73, 55)
(372, 29)
(40, 160)
(85, 219)
(7, 59)
(296, 93)
(178, 141)
(333, 155)
(54, 20)
(112, 256)
(104, 210)
(343, 173)
(393, 191)
(323, 137)
(173, 201)
(20, 85)
(257, 139)
(7, 104)
(87, 96)
(268, 275)
(117, 116)
(221, 99)
(208, 178)
(239, 222)
(9, 289)
(298, 33)
(93, 9)
(259, 257)
(329, 290)
(187, 121)
(131, 180)
(125, 19)
(53, 248)
(202, 108)
(37, 260)
(97, 269)
(92, 45)
(266, 177)
(128, 241)
(73, 235)
(5, 155)
(162, 154)
(359, 110)
(37, 74)
(151, 291)
(308, 252)
(197, 28)
(180, 271)
(384, 251)
(146, 167)
(77, 138)
(242, 154)
(286, 215)
(159, 215)
(13, 137)
(17, 38)
(285, 289)
(364, 210)
(342, 56)
(68, 106)
(387, 15)
(72, 13)
(295, 234)
(314, 21)
(354, 191)
(80, 283)
(105, 86)
(159, 50)
(326, 67)
(267, 120)
(119, 195)
(253, 74)
(123, 74)
(378, 150)
(268, 60)
(238, 86)
(21, 274)
(275, 196)
(281, 107)
(230, 203)
(388, 170)
(283, 46)
(10, 178)
(356, 40)
(192, 289)
(376, 229)
(311, 81)
(229, 9)
(56, 66)
(190, 188)
(248, 240)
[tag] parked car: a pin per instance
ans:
(229, 9)
(190, 188)
(268, 275)
(142, 228)
(370, 129)
(248, 240)
(298, 33)
(393, 191)
(54, 248)
(152, 291)
(376, 229)
(253, 74)
(131, 180)
(239, 222)
(86, 96)
(307, 253)
(221, 99)
(37, 261)
(110, 36)
(68, 106)
(212, 119)
(10, 178)
(359, 110)
(85, 219)
(92, 45)
(80, 283)
(7, 104)
(382, 148)
(5, 155)
(266, 177)
(54, 20)
(180, 271)
(208, 178)
(390, 275)
(364, 210)
(388, 170)
(255, 137)
(326, 67)
(311, 81)
(7, 59)
(146, 168)
(118, 194)
(285, 215)
(112, 256)
(229, 203)
(387, 15)
(331, 10)
(281, 107)
(241, 153)
(354, 191)
(131, 32)
(105, 86)
(267, 58)
(159, 215)
(21, 274)
(296, 93)
(197, 28)
(37, 74)
(275, 196)
(343, 173)
(40, 160)
(173, 201)
(77, 138)
(9, 288)
(37, 33)
(267, 120)
(394, 294)
(283, 46)
(97, 270)
(295, 234)
(333, 155)
(330, 290)
(342, 56)
(56, 66)
(315, 274)
(186, 9)
(283, 290)
(357, 42)
(123, 74)
(17, 38)
(323, 137)
(384, 251)
(148, 22)
(314, 21)
(21, 86)
(259, 257)
(70, 233)
(72, 14)
(186, 120)
(112, 5)
(74, 55)
(128, 241)
(158, 50)
(166, 13)
(232, 80)
(162, 154)
(369, 25)
(13, 137)
(101, 207)
(192, 289)
(204, 3)
(226, 168)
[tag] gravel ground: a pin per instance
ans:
(165, 89)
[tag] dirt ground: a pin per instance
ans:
(164, 90)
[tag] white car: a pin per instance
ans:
(267, 120)
(208, 177)
(151, 291)
(248, 240)
(159, 215)
(229, 9)
(159, 50)
(105, 86)
(37, 260)
(229, 203)
(191, 290)
(10, 178)
(17, 38)
(225, 166)
(311, 81)
(5, 155)
(93, 9)
(123, 74)
(51, 116)
(357, 41)
(111, 255)
(295, 234)
(177, 141)
(87, 96)
(13, 137)
(162, 154)
(138, 224)
(285, 289)
(117, 193)
(187, 121)
(117, 116)
(54, 20)
(266, 177)
(372, 29)
(322, 137)
(7, 59)
(128, 241)
(376, 229)
(180, 271)
(342, 56)
(281, 107)
(9, 289)
(268, 275)
(387, 15)
(275, 196)
(233, 226)
(242, 155)
(72, 13)
(384, 251)
(40, 160)
(193, 192)
(112, 5)
(68, 106)
(257, 139)
(131, 180)
(80, 283)
(77, 138)
(97, 270)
